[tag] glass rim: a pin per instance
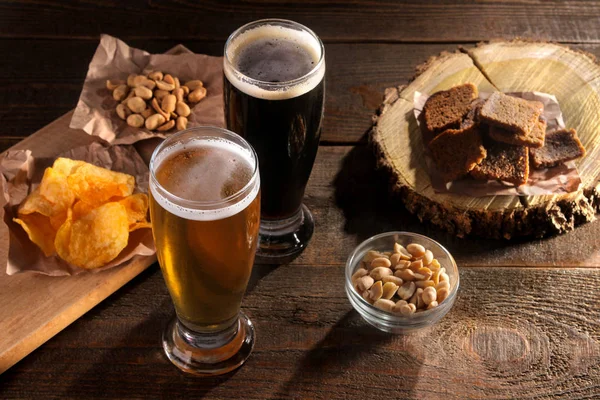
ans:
(280, 22)
(196, 204)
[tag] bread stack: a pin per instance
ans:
(493, 139)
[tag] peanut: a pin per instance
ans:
(442, 294)
(381, 262)
(429, 295)
(399, 249)
(166, 126)
(424, 284)
(162, 85)
(376, 291)
(130, 79)
(394, 259)
(122, 111)
(136, 104)
(169, 79)
(147, 113)
(431, 305)
(392, 278)
(402, 264)
(143, 92)
(154, 121)
(384, 304)
(389, 290)
(407, 309)
(193, 85)
(406, 291)
(181, 123)
(112, 84)
(160, 94)
(443, 284)
(379, 272)
(120, 92)
(359, 274)
(416, 265)
(182, 109)
(364, 283)
(155, 75)
(159, 110)
(168, 103)
(416, 250)
(415, 296)
(428, 257)
(179, 94)
(139, 81)
(405, 274)
(371, 255)
(197, 95)
(135, 120)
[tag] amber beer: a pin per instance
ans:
(205, 209)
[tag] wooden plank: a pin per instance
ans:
(512, 333)
(36, 306)
(31, 97)
(350, 202)
(405, 21)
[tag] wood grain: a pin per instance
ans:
(531, 335)
(36, 307)
(363, 20)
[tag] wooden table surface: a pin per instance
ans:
(526, 323)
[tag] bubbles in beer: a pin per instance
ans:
(210, 171)
(274, 60)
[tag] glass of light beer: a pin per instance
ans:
(274, 89)
(205, 210)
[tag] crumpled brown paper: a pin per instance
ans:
(21, 174)
(95, 112)
(563, 178)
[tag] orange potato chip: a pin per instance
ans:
(40, 231)
(35, 202)
(81, 208)
(136, 206)
(55, 188)
(66, 166)
(96, 238)
(97, 185)
(139, 225)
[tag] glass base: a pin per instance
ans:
(283, 240)
(209, 354)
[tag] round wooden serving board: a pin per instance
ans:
(516, 66)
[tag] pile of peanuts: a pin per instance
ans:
(157, 101)
(411, 274)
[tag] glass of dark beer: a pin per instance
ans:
(274, 96)
(205, 209)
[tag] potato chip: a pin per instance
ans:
(81, 208)
(35, 202)
(66, 166)
(136, 206)
(40, 231)
(96, 185)
(96, 238)
(55, 188)
(139, 225)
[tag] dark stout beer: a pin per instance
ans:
(205, 218)
(274, 95)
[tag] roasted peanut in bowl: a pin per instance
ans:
(401, 281)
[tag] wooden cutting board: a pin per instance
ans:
(34, 307)
(517, 66)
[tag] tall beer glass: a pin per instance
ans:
(274, 95)
(205, 209)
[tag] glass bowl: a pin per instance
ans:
(391, 322)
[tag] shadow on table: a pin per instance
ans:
(362, 193)
(350, 345)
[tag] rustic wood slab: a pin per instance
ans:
(510, 66)
(36, 307)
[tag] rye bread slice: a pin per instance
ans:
(503, 162)
(445, 109)
(472, 116)
(535, 138)
(561, 146)
(510, 113)
(456, 151)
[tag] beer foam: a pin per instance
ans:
(173, 204)
(279, 92)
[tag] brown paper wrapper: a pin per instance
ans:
(561, 179)
(95, 112)
(21, 174)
